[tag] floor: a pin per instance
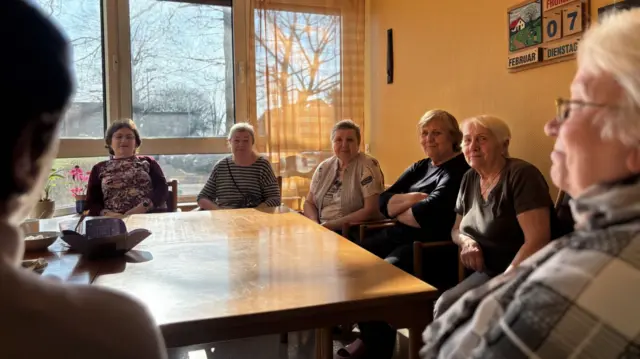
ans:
(300, 346)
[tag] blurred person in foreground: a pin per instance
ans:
(41, 318)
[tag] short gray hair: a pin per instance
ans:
(346, 125)
(242, 127)
(498, 128)
(448, 120)
(613, 48)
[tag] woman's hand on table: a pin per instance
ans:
(139, 209)
(471, 254)
(112, 214)
(330, 225)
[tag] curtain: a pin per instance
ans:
(309, 74)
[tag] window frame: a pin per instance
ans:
(117, 77)
(118, 84)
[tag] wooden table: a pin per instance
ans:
(220, 275)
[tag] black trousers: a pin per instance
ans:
(379, 337)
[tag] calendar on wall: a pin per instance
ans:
(545, 31)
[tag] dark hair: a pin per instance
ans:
(117, 126)
(37, 82)
(346, 125)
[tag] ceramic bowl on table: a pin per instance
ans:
(39, 241)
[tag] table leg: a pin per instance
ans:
(324, 344)
(415, 342)
(415, 332)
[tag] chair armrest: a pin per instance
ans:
(365, 225)
(418, 247)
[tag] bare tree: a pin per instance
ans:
(299, 53)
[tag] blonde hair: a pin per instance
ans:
(498, 128)
(448, 120)
(613, 48)
(242, 127)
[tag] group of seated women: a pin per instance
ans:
(498, 212)
(130, 184)
(468, 189)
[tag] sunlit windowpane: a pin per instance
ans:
(182, 64)
(81, 21)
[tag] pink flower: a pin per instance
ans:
(75, 171)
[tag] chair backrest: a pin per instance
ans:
(279, 178)
(172, 201)
(563, 213)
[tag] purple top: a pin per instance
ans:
(119, 185)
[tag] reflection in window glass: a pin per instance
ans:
(182, 68)
(81, 22)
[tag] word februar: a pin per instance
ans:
(524, 58)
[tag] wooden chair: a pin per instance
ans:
(420, 249)
(172, 201)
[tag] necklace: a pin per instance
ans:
(485, 189)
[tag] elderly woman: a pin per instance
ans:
(577, 297)
(504, 210)
(345, 188)
(37, 84)
(423, 197)
(242, 180)
(126, 184)
(422, 200)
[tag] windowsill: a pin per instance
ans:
(64, 211)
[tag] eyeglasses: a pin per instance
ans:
(564, 108)
(126, 138)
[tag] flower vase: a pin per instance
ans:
(43, 209)
(81, 201)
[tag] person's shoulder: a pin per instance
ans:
(99, 166)
(92, 316)
(120, 316)
(519, 170)
(368, 160)
(516, 165)
(263, 161)
(223, 161)
(149, 159)
(420, 165)
(327, 162)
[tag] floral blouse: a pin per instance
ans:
(118, 185)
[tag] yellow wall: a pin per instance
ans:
(451, 54)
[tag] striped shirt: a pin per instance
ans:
(254, 185)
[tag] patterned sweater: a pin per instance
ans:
(575, 298)
(119, 185)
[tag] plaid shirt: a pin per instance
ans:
(578, 297)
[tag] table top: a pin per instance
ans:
(237, 263)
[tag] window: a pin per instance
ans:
(81, 21)
(186, 70)
(191, 171)
(61, 191)
(182, 69)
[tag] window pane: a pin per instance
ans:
(191, 171)
(81, 21)
(61, 191)
(298, 77)
(182, 68)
